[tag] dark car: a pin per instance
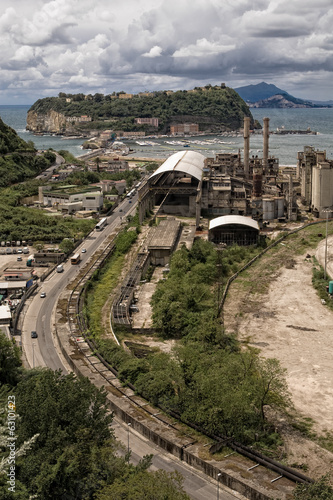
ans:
(34, 334)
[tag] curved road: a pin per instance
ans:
(38, 316)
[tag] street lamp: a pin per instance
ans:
(218, 485)
(33, 355)
(128, 448)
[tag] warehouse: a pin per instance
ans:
(234, 229)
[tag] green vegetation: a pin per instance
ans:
(18, 159)
(319, 490)
(64, 445)
(215, 107)
(84, 178)
(23, 223)
(105, 279)
(320, 283)
(10, 362)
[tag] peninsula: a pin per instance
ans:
(202, 109)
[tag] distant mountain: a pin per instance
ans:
(324, 103)
(264, 95)
(254, 93)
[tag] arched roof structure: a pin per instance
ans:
(187, 162)
(226, 220)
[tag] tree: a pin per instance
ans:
(73, 422)
(319, 490)
(97, 160)
(159, 485)
(10, 362)
(66, 245)
(271, 385)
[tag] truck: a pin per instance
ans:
(25, 250)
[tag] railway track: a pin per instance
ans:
(78, 329)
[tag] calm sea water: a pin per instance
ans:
(284, 147)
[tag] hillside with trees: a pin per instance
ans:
(19, 160)
(212, 107)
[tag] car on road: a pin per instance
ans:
(83, 250)
(130, 201)
(120, 209)
(34, 334)
(43, 295)
(19, 258)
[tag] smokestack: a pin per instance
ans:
(257, 180)
(266, 137)
(246, 145)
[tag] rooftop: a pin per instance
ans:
(164, 235)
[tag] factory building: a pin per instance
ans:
(315, 173)
(175, 186)
(163, 242)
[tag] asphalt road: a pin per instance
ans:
(196, 484)
(38, 313)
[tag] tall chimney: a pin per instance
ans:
(265, 150)
(246, 145)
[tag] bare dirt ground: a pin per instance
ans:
(290, 323)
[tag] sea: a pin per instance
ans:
(283, 147)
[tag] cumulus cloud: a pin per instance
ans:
(155, 51)
(53, 45)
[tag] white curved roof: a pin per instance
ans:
(233, 219)
(188, 162)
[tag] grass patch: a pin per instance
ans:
(304, 426)
(108, 280)
(326, 441)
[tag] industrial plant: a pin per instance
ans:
(189, 184)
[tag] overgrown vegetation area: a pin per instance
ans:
(105, 279)
(59, 443)
(85, 177)
(26, 223)
(208, 379)
(212, 105)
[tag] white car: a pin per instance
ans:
(83, 250)
(43, 295)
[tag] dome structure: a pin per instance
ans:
(234, 229)
(187, 162)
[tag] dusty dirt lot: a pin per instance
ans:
(289, 322)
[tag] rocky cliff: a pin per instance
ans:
(51, 122)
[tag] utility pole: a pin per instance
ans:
(128, 446)
(218, 485)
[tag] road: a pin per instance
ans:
(196, 484)
(38, 313)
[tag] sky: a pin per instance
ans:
(105, 46)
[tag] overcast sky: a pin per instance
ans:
(90, 46)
